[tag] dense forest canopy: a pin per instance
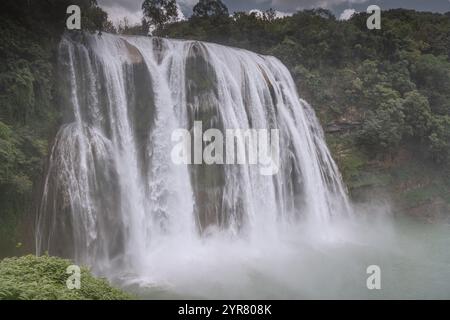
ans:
(379, 93)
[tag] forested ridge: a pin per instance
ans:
(383, 96)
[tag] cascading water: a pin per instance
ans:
(112, 197)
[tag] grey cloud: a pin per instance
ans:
(308, 4)
(128, 5)
(337, 6)
(118, 9)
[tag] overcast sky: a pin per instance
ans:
(132, 8)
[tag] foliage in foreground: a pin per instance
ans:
(44, 278)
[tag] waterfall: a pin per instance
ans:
(112, 196)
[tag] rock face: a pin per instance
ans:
(134, 55)
(342, 127)
(203, 104)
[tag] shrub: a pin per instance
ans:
(44, 278)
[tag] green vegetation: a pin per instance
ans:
(159, 12)
(210, 9)
(44, 278)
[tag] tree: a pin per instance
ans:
(160, 12)
(384, 129)
(270, 15)
(432, 76)
(440, 140)
(94, 19)
(210, 8)
(418, 114)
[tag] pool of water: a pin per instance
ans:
(304, 262)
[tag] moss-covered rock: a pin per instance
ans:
(45, 278)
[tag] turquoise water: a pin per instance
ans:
(305, 263)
